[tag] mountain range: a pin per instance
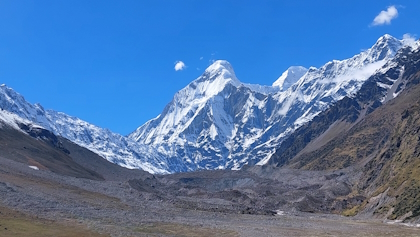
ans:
(218, 122)
(342, 139)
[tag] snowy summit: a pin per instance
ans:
(289, 77)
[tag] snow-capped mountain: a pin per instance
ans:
(114, 147)
(289, 77)
(217, 122)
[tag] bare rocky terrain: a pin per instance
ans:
(256, 201)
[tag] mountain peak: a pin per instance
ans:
(384, 48)
(386, 36)
(221, 71)
(290, 76)
(8, 92)
(220, 65)
(388, 40)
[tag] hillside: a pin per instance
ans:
(381, 141)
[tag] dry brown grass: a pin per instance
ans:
(13, 223)
(173, 229)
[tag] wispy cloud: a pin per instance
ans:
(179, 66)
(211, 60)
(409, 39)
(385, 17)
(201, 58)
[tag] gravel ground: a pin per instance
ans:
(116, 208)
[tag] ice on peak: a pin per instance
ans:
(387, 40)
(296, 68)
(220, 65)
(221, 71)
(8, 89)
(290, 76)
(386, 36)
(209, 84)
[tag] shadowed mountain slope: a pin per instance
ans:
(41, 152)
(41, 149)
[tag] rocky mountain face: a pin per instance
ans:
(377, 133)
(217, 122)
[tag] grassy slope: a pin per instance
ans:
(13, 223)
(397, 166)
(23, 148)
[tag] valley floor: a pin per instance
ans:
(42, 203)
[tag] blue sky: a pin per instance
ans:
(111, 63)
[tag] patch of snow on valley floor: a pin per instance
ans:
(280, 213)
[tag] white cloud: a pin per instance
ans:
(356, 74)
(385, 17)
(179, 65)
(201, 58)
(409, 39)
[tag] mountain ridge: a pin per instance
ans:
(111, 146)
(248, 121)
(373, 134)
(216, 121)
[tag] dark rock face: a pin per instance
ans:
(45, 135)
